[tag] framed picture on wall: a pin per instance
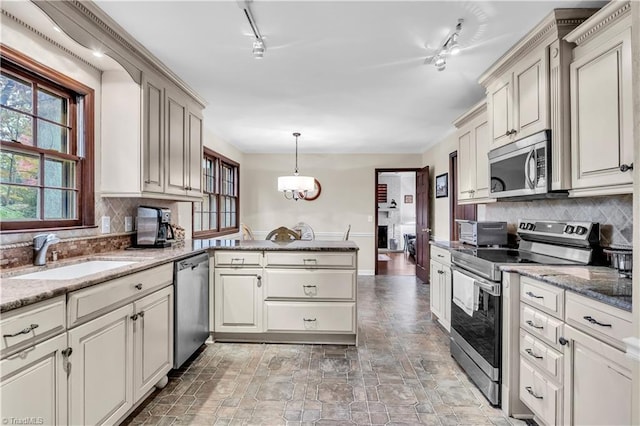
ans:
(382, 193)
(442, 185)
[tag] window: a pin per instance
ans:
(217, 214)
(46, 151)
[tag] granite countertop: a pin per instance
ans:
(596, 282)
(450, 245)
(15, 292)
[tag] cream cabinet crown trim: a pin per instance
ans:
(87, 24)
(555, 25)
(604, 18)
(473, 112)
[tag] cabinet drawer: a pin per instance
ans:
(441, 255)
(599, 320)
(327, 317)
(31, 324)
(543, 296)
(541, 325)
(307, 284)
(89, 302)
(541, 356)
(311, 259)
(238, 258)
(539, 394)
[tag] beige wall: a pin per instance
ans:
(348, 195)
(437, 158)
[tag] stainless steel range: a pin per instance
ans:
(476, 309)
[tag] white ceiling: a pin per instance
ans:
(348, 75)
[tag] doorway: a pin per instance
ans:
(395, 221)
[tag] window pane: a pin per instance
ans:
(213, 208)
(233, 213)
(18, 202)
(15, 126)
(59, 173)
(52, 136)
(197, 221)
(19, 168)
(59, 204)
(52, 107)
(16, 93)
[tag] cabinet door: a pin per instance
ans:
(153, 136)
(33, 383)
(435, 289)
(153, 340)
(176, 126)
(238, 300)
(481, 160)
(597, 382)
(194, 169)
(466, 165)
(100, 382)
(530, 90)
(601, 114)
(499, 109)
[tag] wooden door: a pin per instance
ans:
(238, 300)
(153, 340)
(33, 384)
(422, 224)
(100, 382)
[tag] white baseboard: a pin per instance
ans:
(367, 272)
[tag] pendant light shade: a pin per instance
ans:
(295, 186)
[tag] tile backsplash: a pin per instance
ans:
(614, 213)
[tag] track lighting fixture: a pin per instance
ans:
(450, 47)
(258, 43)
(258, 48)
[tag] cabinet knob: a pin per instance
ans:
(141, 314)
(134, 317)
(626, 167)
(512, 132)
(563, 341)
(138, 286)
(259, 277)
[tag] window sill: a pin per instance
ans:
(43, 230)
(202, 235)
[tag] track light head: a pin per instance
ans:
(258, 48)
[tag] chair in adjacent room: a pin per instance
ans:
(304, 230)
(283, 234)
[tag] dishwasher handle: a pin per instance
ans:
(192, 262)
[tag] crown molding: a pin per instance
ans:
(554, 26)
(92, 28)
(475, 111)
(606, 17)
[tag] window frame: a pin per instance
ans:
(24, 67)
(219, 160)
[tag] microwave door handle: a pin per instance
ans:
(527, 162)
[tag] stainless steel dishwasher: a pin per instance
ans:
(191, 307)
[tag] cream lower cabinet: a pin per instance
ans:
(602, 114)
(238, 300)
(33, 384)
(440, 286)
(572, 368)
(473, 161)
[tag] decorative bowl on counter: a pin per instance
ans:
(622, 260)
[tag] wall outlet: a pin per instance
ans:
(106, 224)
(128, 224)
(370, 219)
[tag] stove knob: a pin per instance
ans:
(530, 226)
(569, 229)
(581, 230)
(523, 225)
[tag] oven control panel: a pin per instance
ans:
(559, 231)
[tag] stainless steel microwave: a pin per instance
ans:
(521, 168)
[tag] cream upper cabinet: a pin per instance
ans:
(601, 103)
(152, 135)
(517, 101)
(473, 163)
(528, 90)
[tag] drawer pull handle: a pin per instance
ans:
(534, 295)
(309, 286)
(440, 255)
(595, 321)
(531, 324)
(310, 260)
(238, 259)
(23, 331)
(530, 352)
(309, 320)
(138, 286)
(528, 389)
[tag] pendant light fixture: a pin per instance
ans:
(296, 186)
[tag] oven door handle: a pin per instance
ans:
(490, 287)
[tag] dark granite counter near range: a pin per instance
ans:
(596, 282)
(449, 245)
(15, 293)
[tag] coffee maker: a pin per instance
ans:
(154, 229)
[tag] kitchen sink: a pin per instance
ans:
(77, 270)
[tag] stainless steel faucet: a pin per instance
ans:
(40, 245)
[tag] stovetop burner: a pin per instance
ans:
(506, 256)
